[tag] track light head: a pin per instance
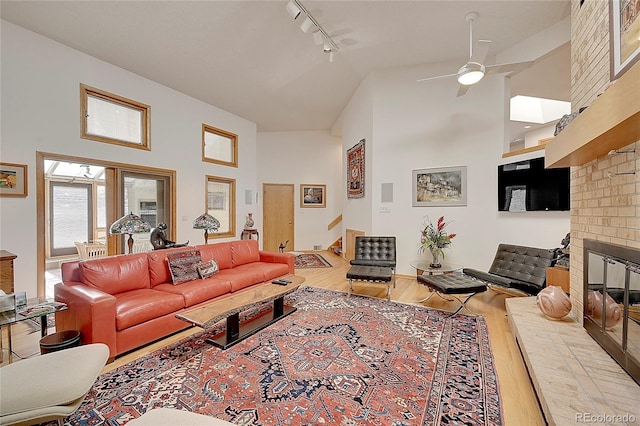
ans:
(306, 24)
(293, 9)
(327, 46)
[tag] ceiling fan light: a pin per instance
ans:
(470, 73)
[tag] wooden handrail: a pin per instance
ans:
(336, 221)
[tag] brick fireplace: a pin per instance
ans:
(605, 194)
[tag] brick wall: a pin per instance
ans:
(605, 203)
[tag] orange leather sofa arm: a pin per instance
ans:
(91, 311)
(276, 257)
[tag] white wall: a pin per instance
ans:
(40, 82)
(313, 157)
(424, 125)
(357, 119)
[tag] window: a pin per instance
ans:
(219, 147)
(110, 118)
(221, 204)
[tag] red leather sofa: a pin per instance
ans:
(127, 301)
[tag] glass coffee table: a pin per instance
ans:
(423, 267)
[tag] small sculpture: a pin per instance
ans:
(562, 254)
(159, 238)
(553, 302)
(282, 246)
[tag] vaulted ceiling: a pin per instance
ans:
(251, 58)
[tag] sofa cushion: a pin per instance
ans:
(159, 272)
(137, 306)
(116, 274)
(182, 265)
(207, 269)
(244, 251)
(194, 292)
(241, 277)
(221, 252)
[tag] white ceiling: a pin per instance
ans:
(251, 59)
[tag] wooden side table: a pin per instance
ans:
(560, 277)
(6, 271)
(247, 234)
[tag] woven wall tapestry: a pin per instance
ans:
(355, 170)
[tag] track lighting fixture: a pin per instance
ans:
(320, 36)
(293, 9)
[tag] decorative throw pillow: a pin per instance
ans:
(182, 265)
(207, 269)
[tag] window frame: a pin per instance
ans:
(233, 139)
(145, 110)
(231, 203)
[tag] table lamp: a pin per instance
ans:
(130, 224)
(206, 221)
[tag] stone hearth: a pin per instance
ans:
(575, 379)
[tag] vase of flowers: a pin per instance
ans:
(435, 239)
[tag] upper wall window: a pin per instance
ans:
(219, 146)
(110, 118)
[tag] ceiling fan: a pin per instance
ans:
(474, 70)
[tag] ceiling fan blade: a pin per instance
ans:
(438, 76)
(462, 89)
(510, 68)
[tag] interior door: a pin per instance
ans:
(278, 215)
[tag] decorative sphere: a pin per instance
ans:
(553, 302)
(612, 309)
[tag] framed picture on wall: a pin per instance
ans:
(313, 195)
(445, 186)
(13, 180)
(624, 35)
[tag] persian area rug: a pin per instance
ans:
(311, 260)
(337, 360)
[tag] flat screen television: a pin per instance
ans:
(528, 186)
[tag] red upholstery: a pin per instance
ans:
(194, 292)
(137, 306)
(128, 301)
(244, 251)
(221, 252)
(116, 274)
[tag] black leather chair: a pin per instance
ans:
(375, 261)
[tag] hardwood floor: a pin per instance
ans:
(519, 402)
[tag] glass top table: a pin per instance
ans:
(423, 267)
(38, 307)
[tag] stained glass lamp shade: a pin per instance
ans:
(206, 221)
(130, 224)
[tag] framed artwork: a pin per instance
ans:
(445, 186)
(355, 170)
(221, 204)
(313, 195)
(624, 36)
(13, 180)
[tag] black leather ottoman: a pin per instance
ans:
(454, 284)
(372, 274)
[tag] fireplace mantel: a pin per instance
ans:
(611, 122)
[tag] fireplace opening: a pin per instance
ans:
(612, 301)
